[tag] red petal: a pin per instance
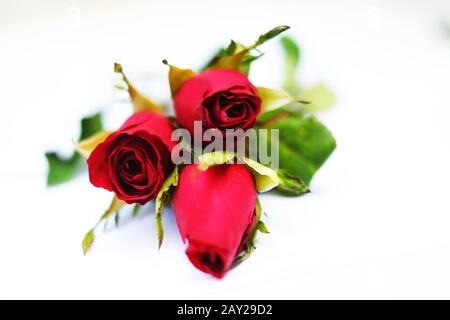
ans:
(213, 209)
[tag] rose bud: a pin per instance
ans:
(215, 214)
(135, 160)
(221, 99)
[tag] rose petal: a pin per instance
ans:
(221, 211)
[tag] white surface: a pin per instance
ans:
(377, 223)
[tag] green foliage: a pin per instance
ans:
(270, 35)
(304, 145)
(136, 210)
(292, 59)
(62, 169)
(238, 56)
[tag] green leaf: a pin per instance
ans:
(304, 145)
(291, 184)
(91, 125)
(162, 200)
(117, 220)
(292, 59)
(231, 48)
(239, 57)
(266, 118)
(62, 169)
(88, 240)
(270, 35)
(219, 53)
(319, 97)
(136, 210)
(246, 62)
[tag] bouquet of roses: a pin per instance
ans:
(227, 142)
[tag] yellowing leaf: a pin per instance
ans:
(320, 96)
(88, 145)
(177, 77)
(230, 62)
(162, 200)
(87, 241)
(273, 99)
(140, 102)
(215, 158)
(114, 207)
(265, 177)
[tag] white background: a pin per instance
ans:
(377, 222)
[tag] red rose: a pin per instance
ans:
(134, 161)
(222, 99)
(215, 213)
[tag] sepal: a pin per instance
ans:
(85, 147)
(163, 199)
(290, 184)
(274, 99)
(250, 245)
(140, 102)
(239, 57)
(265, 178)
(114, 207)
(177, 77)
